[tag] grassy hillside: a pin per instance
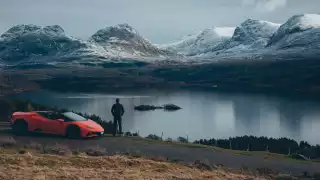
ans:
(35, 161)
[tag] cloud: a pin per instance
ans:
(265, 5)
(248, 2)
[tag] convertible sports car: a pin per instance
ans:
(67, 124)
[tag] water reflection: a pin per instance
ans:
(203, 114)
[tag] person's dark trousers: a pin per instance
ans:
(116, 122)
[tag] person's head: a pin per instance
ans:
(117, 100)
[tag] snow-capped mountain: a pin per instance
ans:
(124, 41)
(199, 42)
(33, 43)
(250, 36)
(47, 44)
(252, 31)
(298, 37)
(300, 31)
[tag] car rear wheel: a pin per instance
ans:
(73, 132)
(20, 127)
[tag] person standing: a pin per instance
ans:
(117, 111)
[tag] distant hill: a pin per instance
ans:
(124, 41)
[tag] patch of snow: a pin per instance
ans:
(225, 31)
(304, 21)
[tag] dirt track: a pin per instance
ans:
(115, 145)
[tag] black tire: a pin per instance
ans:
(20, 127)
(73, 132)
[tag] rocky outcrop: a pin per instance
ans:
(168, 107)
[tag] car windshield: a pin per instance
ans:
(73, 117)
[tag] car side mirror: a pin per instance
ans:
(60, 120)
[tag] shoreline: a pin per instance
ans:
(229, 78)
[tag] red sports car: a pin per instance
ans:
(67, 124)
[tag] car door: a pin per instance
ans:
(49, 124)
(37, 123)
(54, 125)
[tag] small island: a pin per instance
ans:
(167, 107)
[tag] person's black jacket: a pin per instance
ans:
(117, 110)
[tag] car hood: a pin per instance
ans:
(89, 124)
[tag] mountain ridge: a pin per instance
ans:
(299, 35)
(28, 43)
(253, 39)
(249, 35)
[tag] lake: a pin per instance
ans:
(203, 115)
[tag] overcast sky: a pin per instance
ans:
(160, 21)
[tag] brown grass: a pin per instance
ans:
(25, 164)
(38, 161)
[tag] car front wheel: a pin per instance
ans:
(73, 132)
